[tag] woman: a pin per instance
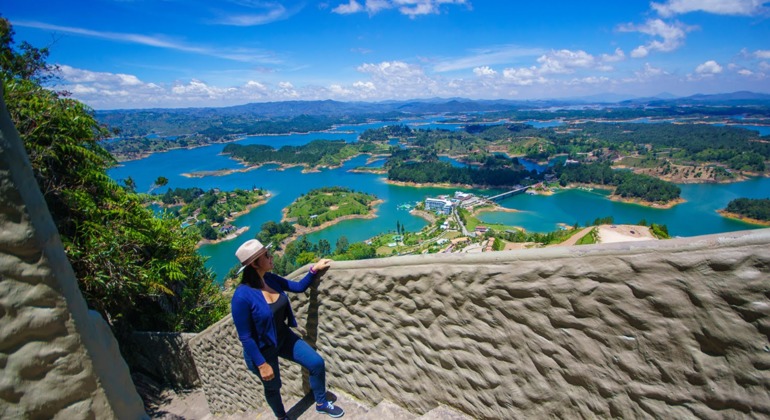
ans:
(262, 316)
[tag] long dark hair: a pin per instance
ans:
(250, 277)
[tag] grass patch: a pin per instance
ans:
(589, 238)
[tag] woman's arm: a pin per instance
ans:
(300, 286)
(241, 310)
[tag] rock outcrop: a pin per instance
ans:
(57, 359)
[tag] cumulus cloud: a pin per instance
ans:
(719, 7)
(364, 86)
(99, 78)
(409, 8)
(709, 67)
(565, 61)
(618, 55)
(484, 71)
(399, 79)
(673, 36)
(762, 54)
(523, 76)
(352, 7)
(649, 71)
(745, 72)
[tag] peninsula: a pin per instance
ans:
(210, 212)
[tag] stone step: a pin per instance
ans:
(443, 412)
(388, 410)
(193, 406)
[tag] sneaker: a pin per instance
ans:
(329, 409)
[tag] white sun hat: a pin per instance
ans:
(249, 251)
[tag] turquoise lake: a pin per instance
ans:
(538, 213)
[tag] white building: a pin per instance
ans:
(438, 205)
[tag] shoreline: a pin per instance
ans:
(736, 216)
(232, 217)
(637, 201)
(229, 237)
(425, 215)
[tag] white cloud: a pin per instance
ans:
(523, 76)
(762, 54)
(484, 71)
(672, 35)
(719, 7)
(339, 90)
(500, 54)
(640, 52)
(352, 7)
(612, 58)
(269, 12)
(565, 61)
(99, 78)
(709, 67)
(745, 72)
(399, 79)
(649, 71)
(364, 85)
(244, 55)
(409, 8)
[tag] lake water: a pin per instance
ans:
(539, 213)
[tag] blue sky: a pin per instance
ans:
(190, 53)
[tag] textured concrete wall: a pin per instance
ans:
(165, 357)
(57, 359)
(668, 329)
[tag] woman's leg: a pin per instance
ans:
(298, 351)
(273, 386)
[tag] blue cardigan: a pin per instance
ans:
(253, 318)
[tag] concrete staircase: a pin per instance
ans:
(193, 406)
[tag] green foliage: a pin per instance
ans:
(138, 271)
(627, 183)
(660, 231)
(588, 238)
(316, 153)
(329, 203)
(206, 208)
(754, 208)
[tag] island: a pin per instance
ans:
(324, 207)
(314, 155)
(750, 210)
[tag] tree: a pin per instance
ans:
(138, 271)
(162, 181)
(130, 184)
(342, 245)
(324, 248)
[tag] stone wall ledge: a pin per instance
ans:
(667, 329)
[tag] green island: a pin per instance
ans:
(323, 207)
(316, 154)
(329, 204)
(750, 210)
(210, 212)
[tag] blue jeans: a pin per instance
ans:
(297, 350)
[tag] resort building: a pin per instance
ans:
(439, 205)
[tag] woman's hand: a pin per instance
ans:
(321, 266)
(266, 372)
